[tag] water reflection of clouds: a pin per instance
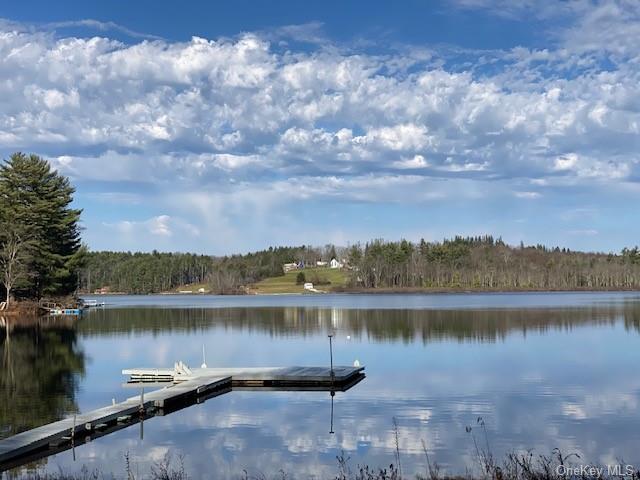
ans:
(574, 410)
(294, 434)
(540, 379)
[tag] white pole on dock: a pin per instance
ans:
(204, 358)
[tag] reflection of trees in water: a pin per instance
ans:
(380, 324)
(632, 319)
(41, 362)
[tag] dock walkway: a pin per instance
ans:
(184, 387)
(64, 432)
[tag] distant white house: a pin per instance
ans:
(288, 267)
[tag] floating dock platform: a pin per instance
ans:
(285, 377)
(184, 387)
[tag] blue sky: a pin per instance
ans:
(228, 127)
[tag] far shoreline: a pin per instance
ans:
(28, 309)
(375, 291)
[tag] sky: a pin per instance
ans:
(227, 127)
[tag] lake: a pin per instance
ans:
(542, 370)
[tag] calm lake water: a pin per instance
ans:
(541, 370)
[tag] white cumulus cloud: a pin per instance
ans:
(231, 117)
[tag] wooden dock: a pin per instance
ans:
(185, 387)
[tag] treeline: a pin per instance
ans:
(128, 272)
(489, 263)
(481, 263)
(40, 246)
(160, 272)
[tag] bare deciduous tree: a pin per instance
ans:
(11, 256)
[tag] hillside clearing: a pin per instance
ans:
(286, 283)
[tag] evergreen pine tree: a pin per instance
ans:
(35, 205)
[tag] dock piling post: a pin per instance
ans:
(331, 354)
(73, 438)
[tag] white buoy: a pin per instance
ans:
(204, 360)
(348, 337)
(356, 363)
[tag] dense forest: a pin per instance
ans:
(482, 263)
(142, 272)
(488, 263)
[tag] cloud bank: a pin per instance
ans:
(249, 123)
